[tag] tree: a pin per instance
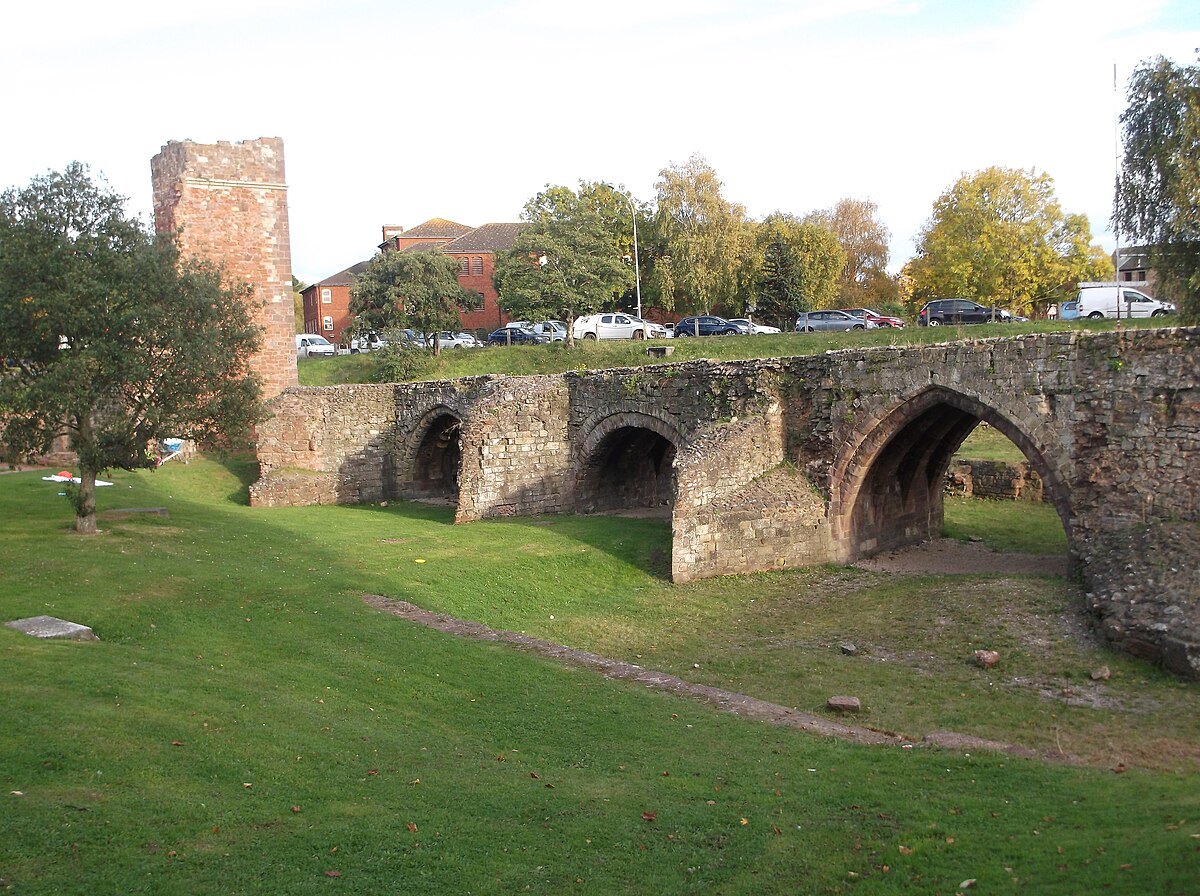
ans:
(798, 267)
(1158, 192)
(1000, 236)
(110, 338)
(865, 242)
(569, 259)
(298, 287)
(417, 290)
(702, 241)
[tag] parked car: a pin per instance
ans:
(312, 345)
(959, 311)
(812, 321)
(879, 320)
(707, 325)
(515, 336)
(1097, 300)
(748, 326)
(1069, 310)
(456, 340)
(610, 325)
(553, 330)
(653, 330)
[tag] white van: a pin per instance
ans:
(1098, 300)
(309, 345)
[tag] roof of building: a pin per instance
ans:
(436, 229)
(427, 246)
(488, 238)
(345, 277)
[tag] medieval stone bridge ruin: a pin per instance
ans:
(769, 464)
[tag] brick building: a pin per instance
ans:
(327, 302)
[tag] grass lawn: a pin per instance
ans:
(246, 724)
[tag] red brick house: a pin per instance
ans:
(475, 249)
(327, 304)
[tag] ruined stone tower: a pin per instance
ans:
(229, 202)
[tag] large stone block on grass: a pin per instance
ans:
(53, 627)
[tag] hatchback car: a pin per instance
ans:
(748, 326)
(515, 336)
(1069, 310)
(879, 320)
(813, 321)
(707, 325)
(959, 311)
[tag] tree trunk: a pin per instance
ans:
(85, 502)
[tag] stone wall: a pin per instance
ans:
(968, 478)
(325, 445)
(228, 201)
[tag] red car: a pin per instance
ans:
(879, 320)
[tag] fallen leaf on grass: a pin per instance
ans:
(412, 827)
(177, 743)
(333, 874)
(967, 884)
(649, 816)
(905, 850)
(535, 776)
(295, 808)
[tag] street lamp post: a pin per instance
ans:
(637, 273)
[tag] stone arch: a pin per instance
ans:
(888, 484)
(626, 461)
(432, 458)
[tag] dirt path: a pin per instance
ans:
(728, 701)
(945, 556)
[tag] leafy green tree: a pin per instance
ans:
(110, 338)
(798, 264)
(415, 290)
(298, 287)
(1158, 193)
(569, 259)
(865, 242)
(1000, 236)
(702, 241)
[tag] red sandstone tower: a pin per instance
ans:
(229, 200)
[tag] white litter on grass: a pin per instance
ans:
(75, 479)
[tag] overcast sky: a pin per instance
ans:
(397, 112)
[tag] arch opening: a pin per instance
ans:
(897, 497)
(631, 468)
(437, 460)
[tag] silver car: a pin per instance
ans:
(811, 321)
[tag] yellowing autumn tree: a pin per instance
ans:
(999, 236)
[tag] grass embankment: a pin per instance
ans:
(519, 360)
(248, 725)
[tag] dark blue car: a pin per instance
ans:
(515, 336)
(706, 325)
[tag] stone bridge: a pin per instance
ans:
(777, 463)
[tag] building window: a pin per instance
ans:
(477, 265)
(462, 267)
(327, 323)
(326, 296)
(1141, 276)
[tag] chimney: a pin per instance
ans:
(391, 231)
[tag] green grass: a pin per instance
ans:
(557, 358)
(246, 724)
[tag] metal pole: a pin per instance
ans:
(637, 272)
(1117, 198)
